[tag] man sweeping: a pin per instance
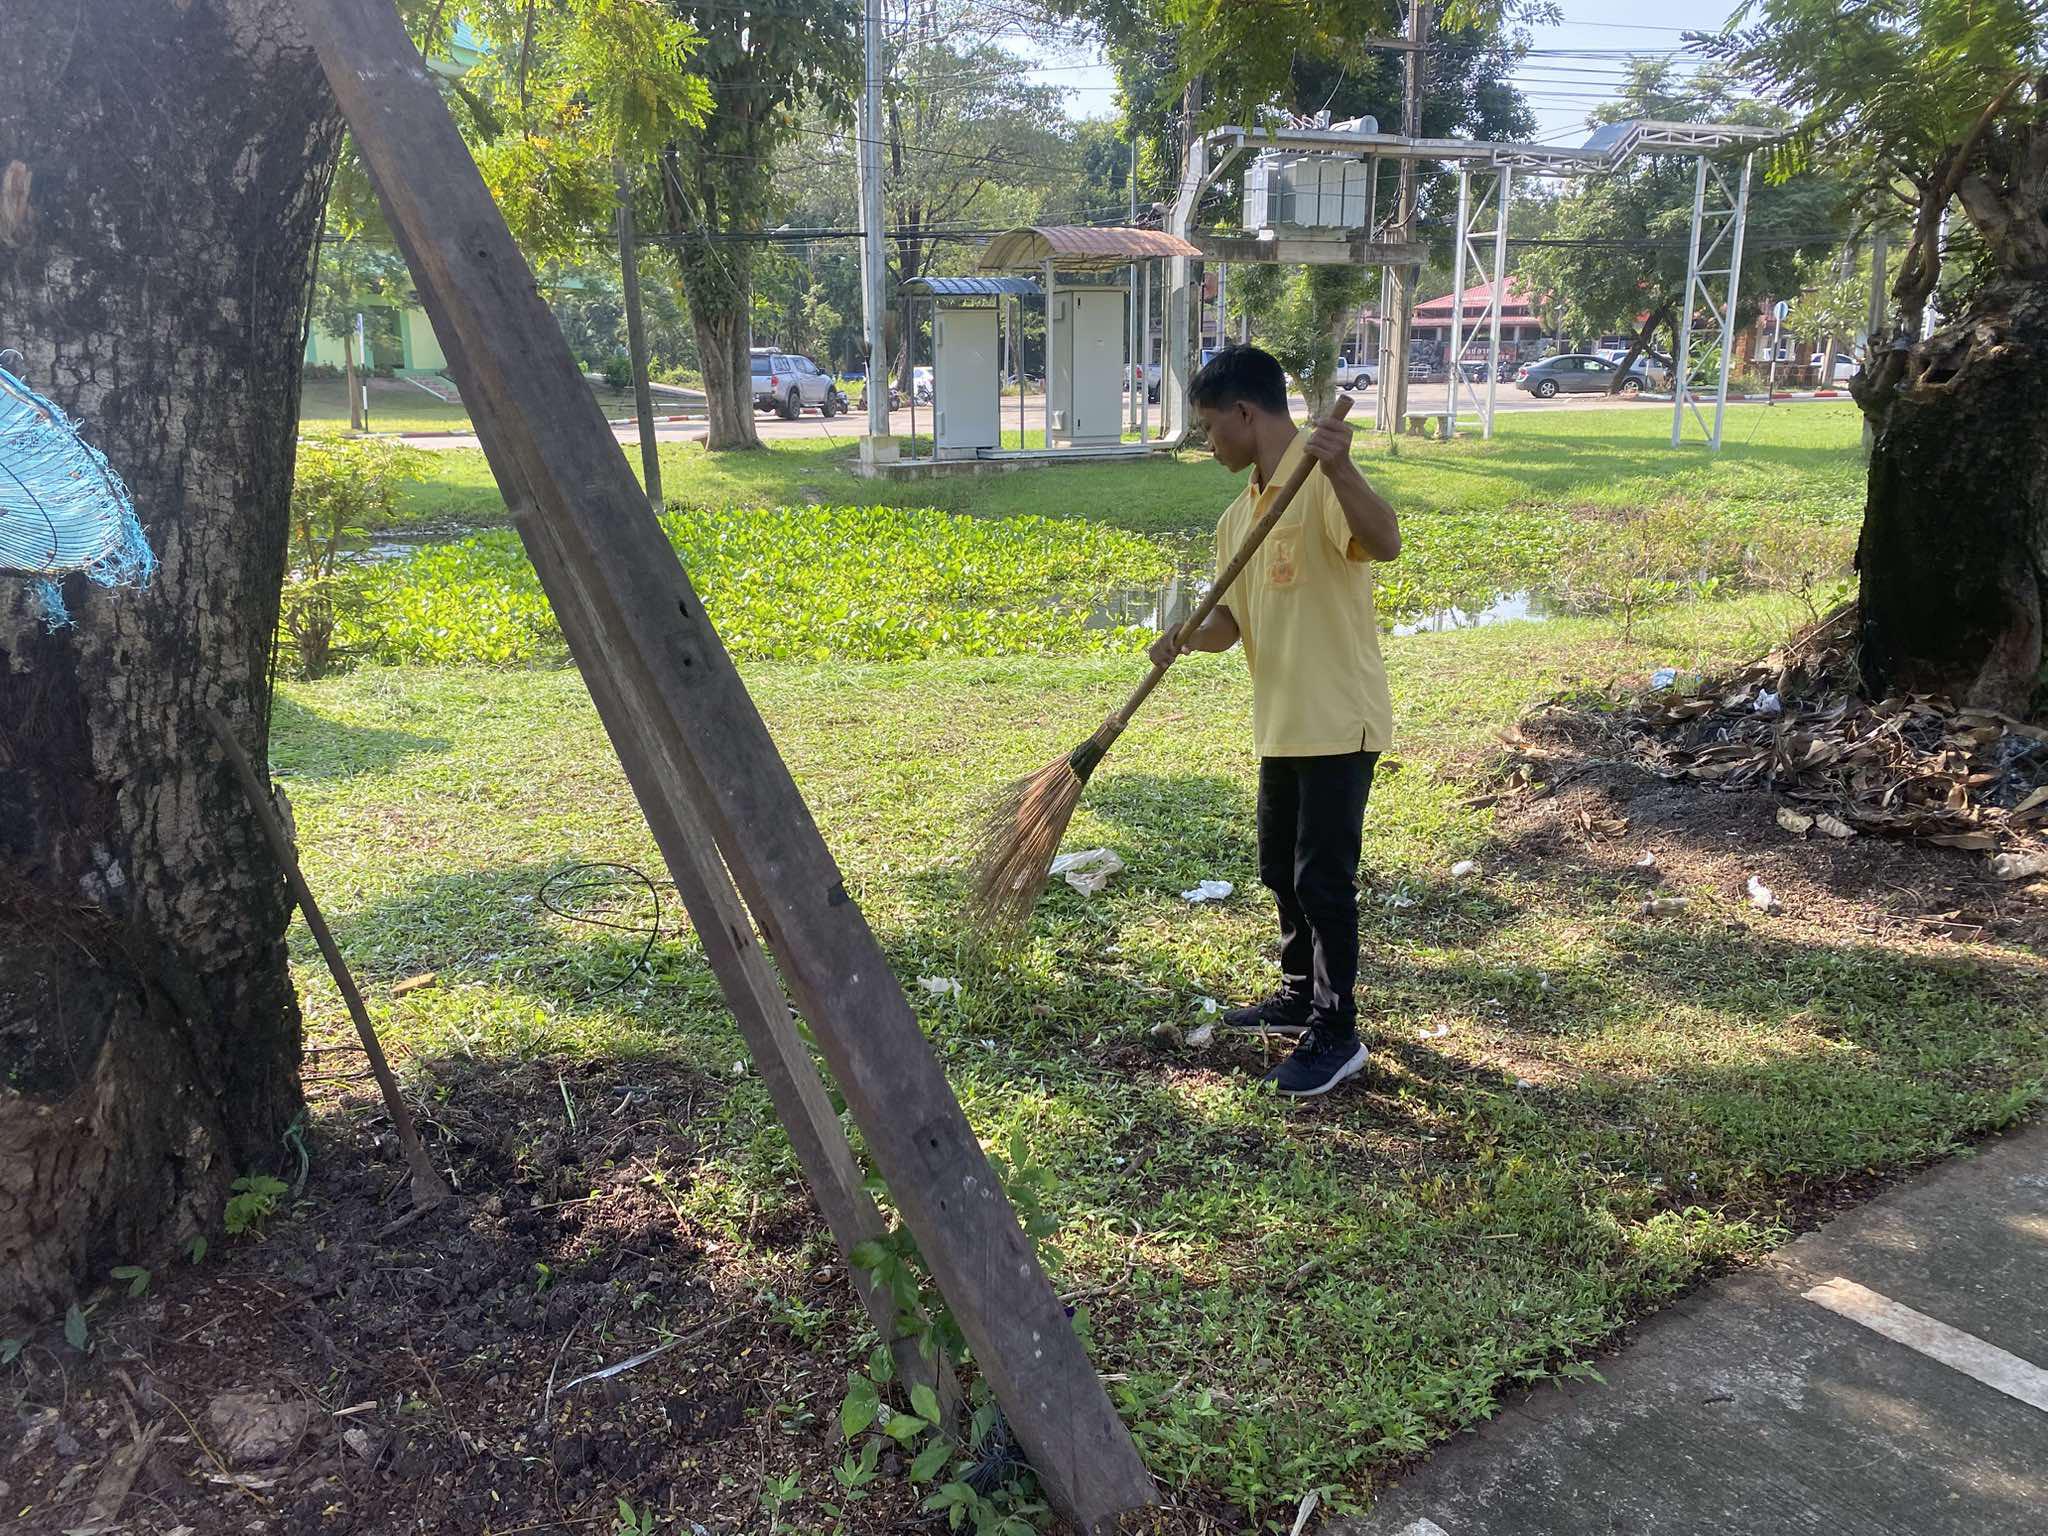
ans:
(1320, 712)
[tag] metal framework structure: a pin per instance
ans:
(1496, 195)
(1719, 223)
(1716, 232)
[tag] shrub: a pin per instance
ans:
(339, 485)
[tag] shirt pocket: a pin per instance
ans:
(1283, 557)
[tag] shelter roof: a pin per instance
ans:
(1078, 248)
(971, 288)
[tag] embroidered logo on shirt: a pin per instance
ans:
(1283, 558)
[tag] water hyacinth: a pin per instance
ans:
(794, 584)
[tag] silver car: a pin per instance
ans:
(786, 382)
(1576, 373)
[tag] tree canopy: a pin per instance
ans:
(1924, 109)
(1915, 105)
(563, 92)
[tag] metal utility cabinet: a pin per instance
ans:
(966, 394)
(1085, 373)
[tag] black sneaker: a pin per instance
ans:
(1322, 1061)
(1283, 1013)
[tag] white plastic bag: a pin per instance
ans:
(1088, 870)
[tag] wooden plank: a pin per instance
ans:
(723, 928)
(651, 632)
(429, 1189)
(746, 977)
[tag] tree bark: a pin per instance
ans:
(718, 283)
(723, 342)
(175, 159)
(1954, 550)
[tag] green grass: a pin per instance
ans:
(1295, 1296)
(1773, 457)
(396, 406)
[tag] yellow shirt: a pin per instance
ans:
(1304, 608)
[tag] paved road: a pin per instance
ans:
(1421, 397)
(1884, 1376)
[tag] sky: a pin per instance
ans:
(1578, 68)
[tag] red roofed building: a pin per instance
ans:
(1519, 324)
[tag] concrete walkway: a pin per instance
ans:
(1884, 1376)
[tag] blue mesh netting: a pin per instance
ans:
(62, 507)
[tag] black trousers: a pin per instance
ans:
(1311, 822)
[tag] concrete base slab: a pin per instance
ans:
(1751, 1409)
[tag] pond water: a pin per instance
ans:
(1143, 605)
(403, 546)
(1510, 608)
(1155, 605)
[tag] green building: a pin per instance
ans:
(417, 350)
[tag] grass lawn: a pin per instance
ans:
(1573, 1112)
(1773, 457)
(397, 406)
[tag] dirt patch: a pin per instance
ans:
(338, 1376)
(1716, 794)
(1608, 815)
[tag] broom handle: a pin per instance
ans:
(1114, 726)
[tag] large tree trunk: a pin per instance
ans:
(723, 340)
(175, 159)
(1954, 552)
(718, 283)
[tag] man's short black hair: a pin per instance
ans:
(1241, 373)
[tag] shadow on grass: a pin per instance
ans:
(1704, 1059)
(307, 745)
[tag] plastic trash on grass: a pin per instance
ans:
(1088, 870)
(1208, 890)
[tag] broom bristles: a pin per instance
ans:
(1014, 853)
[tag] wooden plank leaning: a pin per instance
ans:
(723, 927)
(649, 633)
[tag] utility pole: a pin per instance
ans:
(363, 380)
(1778, 312)
(1222, 304)
(1399, 307)
(636, 338)
(1134, 371)
(873, 263)
(1878, 306)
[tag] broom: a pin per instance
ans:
(1013, 856)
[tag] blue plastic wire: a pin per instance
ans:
(62, 507)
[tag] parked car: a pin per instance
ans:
(786, 382)
(1575, 373)
(1845, 369)
(1151, 373)
(1352, 375)
(1474, 369)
